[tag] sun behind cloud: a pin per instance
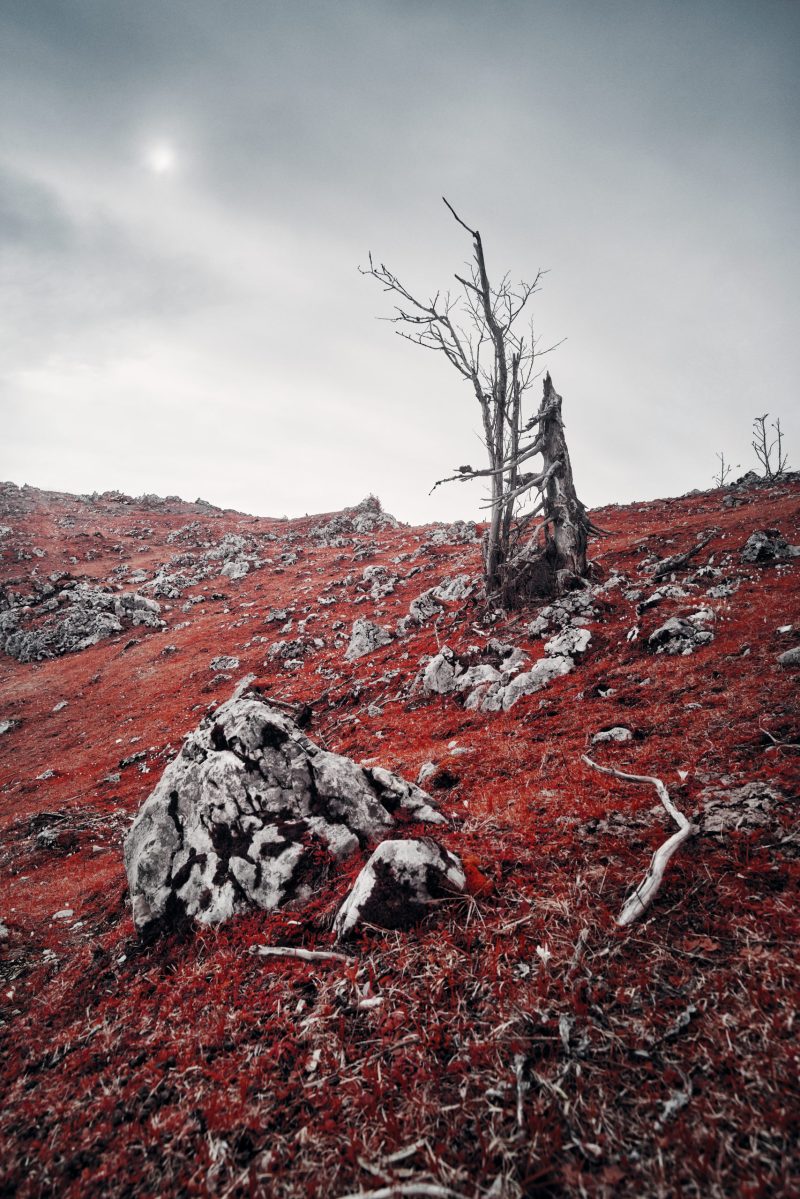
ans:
(159, 157)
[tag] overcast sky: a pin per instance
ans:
(188, 188)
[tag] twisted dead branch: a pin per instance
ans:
(648, 888)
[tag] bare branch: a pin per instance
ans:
(646, 892)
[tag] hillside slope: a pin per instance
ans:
(516, 1042)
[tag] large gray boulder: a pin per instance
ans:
(238, 820)
(399, 884)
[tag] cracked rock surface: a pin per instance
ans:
(398, 884)
(365, 638)
(70, 619)
(683, 636)
(240, 816)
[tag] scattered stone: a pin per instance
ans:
(62, 703)
(768, 545)
(723, 590)
(440, 673)
(425, 772)
(737, 810)
(668, 591)
(460, 532)
(366, 517)
(224, 662)
(424, 607)
(683, 636)
(791, 657)
(542, 673)
(365, 638)
(64, 914)
(7, 725)
(238, 818)
(453, 589)
(399, 884)
(567, 644)
(618, 733)
(381, 582)
(237, 569)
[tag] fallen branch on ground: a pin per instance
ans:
(305, 955)
(431, 1189)
(648, 888)
(667, 565)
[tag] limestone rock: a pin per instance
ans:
(224, 662)
(72, 619)
(398, 884)
(460, 532)
(618, 733)
(456, 588)
(682, 635)
(572, 641)
(767, 545)
(424, 607)
(440, 673)
(238, 819)
(739, 809)
(365, 638)
(540, 674)
(236, 569)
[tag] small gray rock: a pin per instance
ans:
(398, 885)
(365, 638)
(224, 662)
(542, 673)
(618, 733)
(680, 636)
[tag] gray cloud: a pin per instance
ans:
(644, 152)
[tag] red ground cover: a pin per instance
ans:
(519, 1043)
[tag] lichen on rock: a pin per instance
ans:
(236, 818)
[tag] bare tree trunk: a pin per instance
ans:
(567, 528)
(559, 564)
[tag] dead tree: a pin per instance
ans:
(763, 446)
(528, 551)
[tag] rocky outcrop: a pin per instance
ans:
(768, 545)
(365, 517)
(737, 809)
(72, 619)
(496, 683)
(246, 812)
(460, 532)
(399, 884)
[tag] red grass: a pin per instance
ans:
(662, 1061)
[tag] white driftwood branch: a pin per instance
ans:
(305, 955)
(429, 1189)
(648, 888)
